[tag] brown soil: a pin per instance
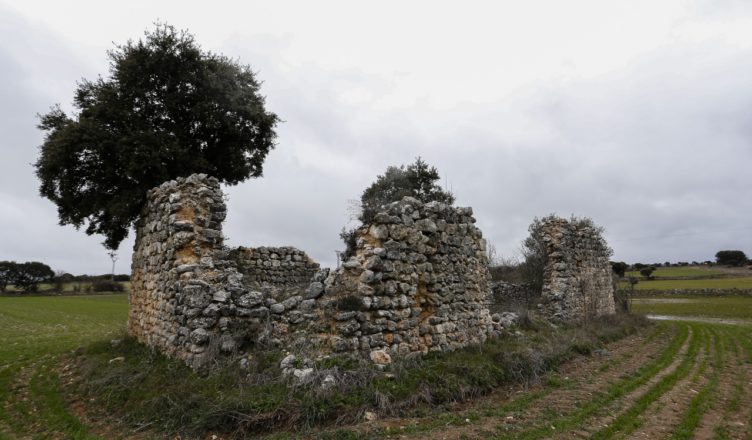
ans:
(583, 376)
(625, 402)
(734, 420)
(663, 416)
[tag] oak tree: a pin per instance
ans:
(167, 109)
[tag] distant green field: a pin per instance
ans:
(56, 323)
(713, 283)
(35, 330)
(708, 306)
(670, 272)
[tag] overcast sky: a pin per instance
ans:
(637, 114)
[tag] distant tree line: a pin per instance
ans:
(26, 276)
(29, 275)
(734, 258)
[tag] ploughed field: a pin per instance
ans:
(673, 379)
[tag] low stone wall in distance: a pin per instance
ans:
(277, 266)
(689, 292)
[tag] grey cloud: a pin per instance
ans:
(656, 152)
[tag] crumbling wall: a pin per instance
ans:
(174, 277)
(278, 266)
(418, 283)
(187, 298)
(577, 280)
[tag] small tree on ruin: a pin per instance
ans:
(418, 180)
(167, 109)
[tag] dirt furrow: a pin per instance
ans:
(661, 417)
(719, 405)
(608, 413)
(731, 418)
(586, 383)
(582, 378)
(20, 405)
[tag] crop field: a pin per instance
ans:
(36, 331)
(693, 278)
(695, 284)
(705, 306)
(673, 379)
(680, 380)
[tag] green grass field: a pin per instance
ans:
(36, 331)
(713, 307)
(692, 278)
(697, 284)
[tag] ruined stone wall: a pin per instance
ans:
(577, 280)
(178, 235)
(279, 266)
(418, 283)
(187, 298)
(512, 297)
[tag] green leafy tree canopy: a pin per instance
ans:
(647, 272)
(8, 273)
(417, 180)
(167, 109)
(731, 258)
(24, 275)
(619, 268)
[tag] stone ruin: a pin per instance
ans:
(577, 280)
(279, 266)
(418, 282)
(420, 275)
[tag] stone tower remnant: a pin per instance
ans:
(577, 281)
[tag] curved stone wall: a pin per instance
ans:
(419, 282)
